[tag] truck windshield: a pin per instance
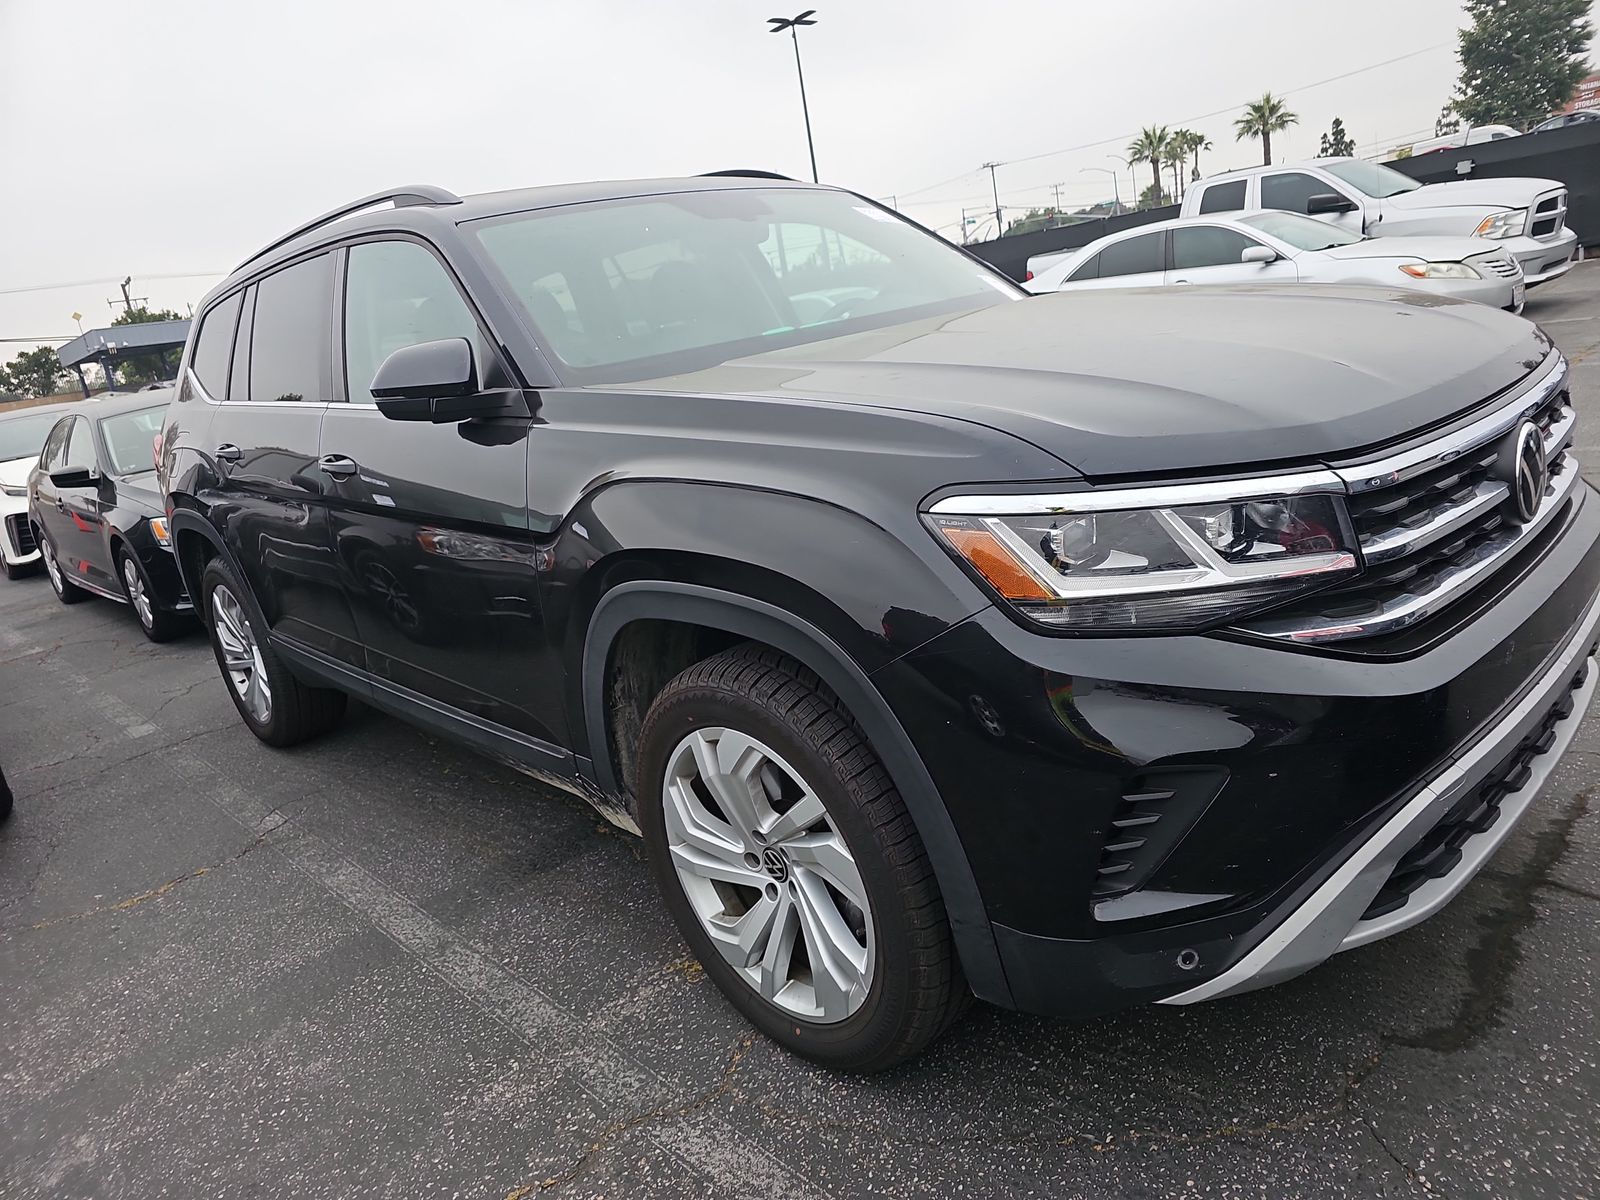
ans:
(1374, 179)
(650, 285)
(1303, 233)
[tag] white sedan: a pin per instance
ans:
(22, 434)
(1279, 247)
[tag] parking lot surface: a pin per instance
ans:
(380, 965)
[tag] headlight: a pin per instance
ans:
(1429, 270)
(1503, 224)
(158, 530)
(9, 490)
(1152, 559)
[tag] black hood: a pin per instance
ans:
(1133, 382)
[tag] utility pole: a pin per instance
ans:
(128, 301)
(999, 222)
(779, 24)
(1056, 188)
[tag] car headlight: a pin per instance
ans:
(19, 490)
(1153, 559)
(1503, 224)
(159, 531)
(1431, 270)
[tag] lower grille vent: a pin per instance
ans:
(21, 534)
(1158, 806)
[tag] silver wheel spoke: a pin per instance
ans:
(709, 866)
(241, 657)
(801, 815)
(838, 961)
(688, 822)
(825, 854)
(728, 767)
(778, 954)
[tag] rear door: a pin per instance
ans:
(429, 522)
(1210, 254)
(272, 498)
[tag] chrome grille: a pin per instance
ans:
(1549, 215)
(1431, 530)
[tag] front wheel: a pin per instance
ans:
(790, 864)
(159, 624)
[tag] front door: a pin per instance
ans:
(429, 522)
(76, 526)
(1291, 191)
(1203, 254)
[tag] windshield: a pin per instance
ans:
(23, 437)
(1372, 178)
(130, 439)
(1303, 233)
(626, 289)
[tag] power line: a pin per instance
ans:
(54, 287)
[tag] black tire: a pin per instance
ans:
(295, 712)
(66, 591)
(5, 798)
(916, 990)
(161, 625)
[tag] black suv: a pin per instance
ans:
(1076, 651)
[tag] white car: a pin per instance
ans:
(22, 434)
(1469, 135)
(1528, 217)
(1280, 247)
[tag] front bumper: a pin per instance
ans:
(1308, 774)
(1543, 260)
(16, 538)
(1493, 291)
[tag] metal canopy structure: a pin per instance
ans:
(107, 346)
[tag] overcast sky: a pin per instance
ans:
(164, 137)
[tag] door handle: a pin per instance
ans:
(1176, 281)
(61, 504)
(229, 453)
(337, 465)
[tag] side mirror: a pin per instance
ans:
(75, 477)
(1328, 202)
(1258, 254)
(438, 382)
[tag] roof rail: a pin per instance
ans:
(406, 197)
(746, 173)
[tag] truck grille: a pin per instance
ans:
(1429, 537)
(21, 534)
(1549, 215)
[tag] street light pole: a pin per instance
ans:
(1132, 181)
(999, 224)
(779, 24)
(1116, 192)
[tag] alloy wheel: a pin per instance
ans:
(133, 582)
(53, 568)
(768, 875)
(241, 656)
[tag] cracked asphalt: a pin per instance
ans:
(381, 965)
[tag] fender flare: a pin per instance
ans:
(184, 520)
(760, 621)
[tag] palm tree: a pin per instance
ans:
(1151, 146)
(1193, 143)
(1262, 119)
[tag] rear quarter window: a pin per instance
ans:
(213, 344)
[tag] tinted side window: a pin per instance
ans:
(289, 338)
(1089, 270)
(239, 379)
(1223, 197)
(1208, 246)
(397, 294)
(80, 445)
(1290, 190)
(50, 457)
(1136, 256)
(212, 346)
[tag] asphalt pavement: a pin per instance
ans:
(378, 965)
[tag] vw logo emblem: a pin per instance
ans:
(1530, 473)
(776, 863)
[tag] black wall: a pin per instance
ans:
(1571, 155)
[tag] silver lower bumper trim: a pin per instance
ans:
(1330, 918)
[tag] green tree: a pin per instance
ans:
(1447, 121)
(1192, 143)
(36, 372)
(138, 369)
(1151, 147)
(1336, 143)
(1153, 197)
(1262, 119)
(1520, 61)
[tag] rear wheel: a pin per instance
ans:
(278, 708)
(66, 591)
(159, 624)
(790, 864)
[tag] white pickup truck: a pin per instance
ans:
(1527, 217)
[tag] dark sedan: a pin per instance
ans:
(98, 515)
